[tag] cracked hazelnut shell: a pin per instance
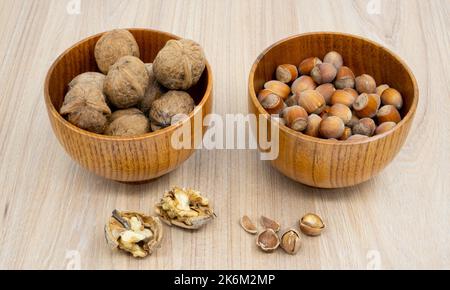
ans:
(268, 240)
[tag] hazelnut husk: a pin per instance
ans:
(312, 101)
(154, 91)
(302, 84)
(85, 107)
(311, 225)
(365, 126)
(324, 73)
(95, 78)
(344, 78)
(128, 122)
(112, 46)
(312, 129)
(126, 82)
(268, 240)
(179, 64)
(286, 73)
(365, 84)
(291, 242)
(169, 105)
(334, 58)
(332, 127)
(308, 64)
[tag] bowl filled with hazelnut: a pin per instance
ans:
(343, 106)
(115, 100)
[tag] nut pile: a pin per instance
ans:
(130, 97)
(268, 239)
(324, 99)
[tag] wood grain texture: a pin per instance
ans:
(51, 208)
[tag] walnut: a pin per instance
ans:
(179, 64)
(112, 46)
(126, 82)
(86, 108)
(184, 208)
(128, 122)
(166, 110)
(154, 90)
(133, 232)
(89, 77)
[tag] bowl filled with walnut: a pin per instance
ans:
(343, 105)
(116, 98)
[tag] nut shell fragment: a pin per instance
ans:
(268, 223)
(248, 225)
(268, 240)
(290, 242)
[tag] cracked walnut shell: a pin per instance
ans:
(179, 64)
(128, 122)
(133, 232)
(164, 110)
(184, 208)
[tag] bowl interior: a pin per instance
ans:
(80, 58)
(361, 55)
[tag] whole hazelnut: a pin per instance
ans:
(126, 82)
(392, 97)
(270, 101)
(112, 46)
(325, 111)
(128, 122)
(170, 105)
(312, 129)
(179, 64)
(365, 126)
(352, 92)
(334, 58)
(344, 78)
(366, 105)
(301, 84)
(326, 90)
(353, 121)
(388, 113)
(332, 127)
(278, 88)
(291, 101)
(342, 97)
(296, 118)
(381, 88)
(365, 84)
(312, 101)
(311, 225)
(308, 64)
(95, 78)
(357, 137)
(384, 127)
(347, 134)
(154, 91)
(286, 73)
(324, 73)
(341, 111)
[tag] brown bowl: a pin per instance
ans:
(330, 163)
(127, 159)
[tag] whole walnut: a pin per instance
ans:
(126, 82)
(166, 110)
(154, 91)
(89, 77)
(128, 122)
(114, 45)
(85, 107)
(180, 64)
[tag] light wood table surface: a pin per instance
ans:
(52, 211)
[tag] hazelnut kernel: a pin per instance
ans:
(311, 225)
(332, 127)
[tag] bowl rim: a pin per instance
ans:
(55, 114)
(287, 130)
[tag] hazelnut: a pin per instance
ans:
(311, 225)
(365, 126)
(154, 91)
(312, 129)
(324, 73)
(267, 240)
(126, 82)
(296, 118)
(95, 78)
(353, 92)
(270, 101)
(342, 97)
(347, 134)
(388, 113)
(326, 90)
(308, 64)
(248, 225)
(179, 64)
(344, 78)
(286, 73)
(380, 89)
(357, 137)
(268, 223)
(332, 127)
(341, 111)
(291, 101)
(290, 242)
(353, 121)
(365, 84)
(128, 122)
(312, 101)
(301, 84)
(366, 105)
(392, 97)
(278, 88)
(112, 46)
(334, 58)
(325, 111)
(171, 104)
(384, 127)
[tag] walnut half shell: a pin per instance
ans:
(184, 208)
(133, 232)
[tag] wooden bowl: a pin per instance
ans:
(329, 163)
(126, 159)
